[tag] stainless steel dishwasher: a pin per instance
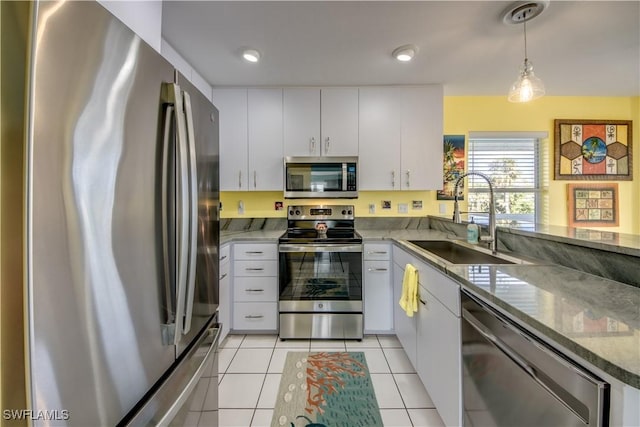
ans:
(511, 378)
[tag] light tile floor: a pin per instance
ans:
(250, 367)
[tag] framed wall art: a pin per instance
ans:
(593, 150)
(593, 205)
(453, 166)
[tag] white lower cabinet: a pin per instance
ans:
(224, 289)
(431, 338)
(438, 356)
(255, 287)
(378, 289)
(405, 326)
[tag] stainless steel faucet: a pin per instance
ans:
(492, 210)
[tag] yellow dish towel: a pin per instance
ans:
(409, 299)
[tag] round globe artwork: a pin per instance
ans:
(594, 150)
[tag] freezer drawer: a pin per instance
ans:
(173, 400)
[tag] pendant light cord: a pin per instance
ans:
(525, 41)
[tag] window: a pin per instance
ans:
(513, 165)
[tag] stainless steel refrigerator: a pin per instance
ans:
(109, 221)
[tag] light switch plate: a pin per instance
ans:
(403, 208)
(442, 208)
(372, 208)
(240, 207)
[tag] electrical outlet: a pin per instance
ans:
(372, 208)
(403, 208)
(240, 207)
(442, 208)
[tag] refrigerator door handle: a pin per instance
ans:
(193, 211)
(166, 226)
(174, 96)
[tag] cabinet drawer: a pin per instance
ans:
(255, 316)
(446, 290)
(225, 253)
(255, 268)
(401, 257)
(247, 251)
(375, 251)
(255, 289)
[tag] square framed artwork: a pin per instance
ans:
(593, 150)
(593, 205)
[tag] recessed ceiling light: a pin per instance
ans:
(405, 53)
(251, 55)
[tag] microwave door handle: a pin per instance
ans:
(193, 212)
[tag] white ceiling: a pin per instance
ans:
(577, 47)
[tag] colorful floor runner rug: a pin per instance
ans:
(326, 389)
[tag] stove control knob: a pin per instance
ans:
(297, 212)
(344, 212)
(291, 212)
(349, 212)
(320, 305)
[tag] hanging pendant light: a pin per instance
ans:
(528, 86)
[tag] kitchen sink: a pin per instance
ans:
(456, 253)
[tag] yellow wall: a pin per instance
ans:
(490, 114)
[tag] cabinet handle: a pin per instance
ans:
(223, 276)
(254, 269)
(423, 302)
(376, 269)
(393, 179)
(327, 145)
(254, 290)
(408, 178)
(312, 145)
(254, 316)
(223, 257)
(239, 179)
(377, 252)
(254, 252)
(255, 179)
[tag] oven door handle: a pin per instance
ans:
(316, 247)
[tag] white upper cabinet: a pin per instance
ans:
(421, 141)
(301, 122)
(232, 105)
(379, 157)
(321, 122)
(401, 138)
(265, 133)
(250, 139)
(339, 121)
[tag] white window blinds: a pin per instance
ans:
(513, 166)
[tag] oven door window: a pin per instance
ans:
(321, 276)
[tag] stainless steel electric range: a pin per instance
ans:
(320, 258)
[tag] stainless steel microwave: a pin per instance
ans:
(320, 177)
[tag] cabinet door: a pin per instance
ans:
(232, 105)
(339, 121)
(265, 140)
(378, 295)
(438, 357)
(379, 126)
(421, 136)
(224, 310)
(301, 122)
(405, 326)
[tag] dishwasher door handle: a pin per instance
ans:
(519, 360)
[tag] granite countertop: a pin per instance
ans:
(595, 318)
